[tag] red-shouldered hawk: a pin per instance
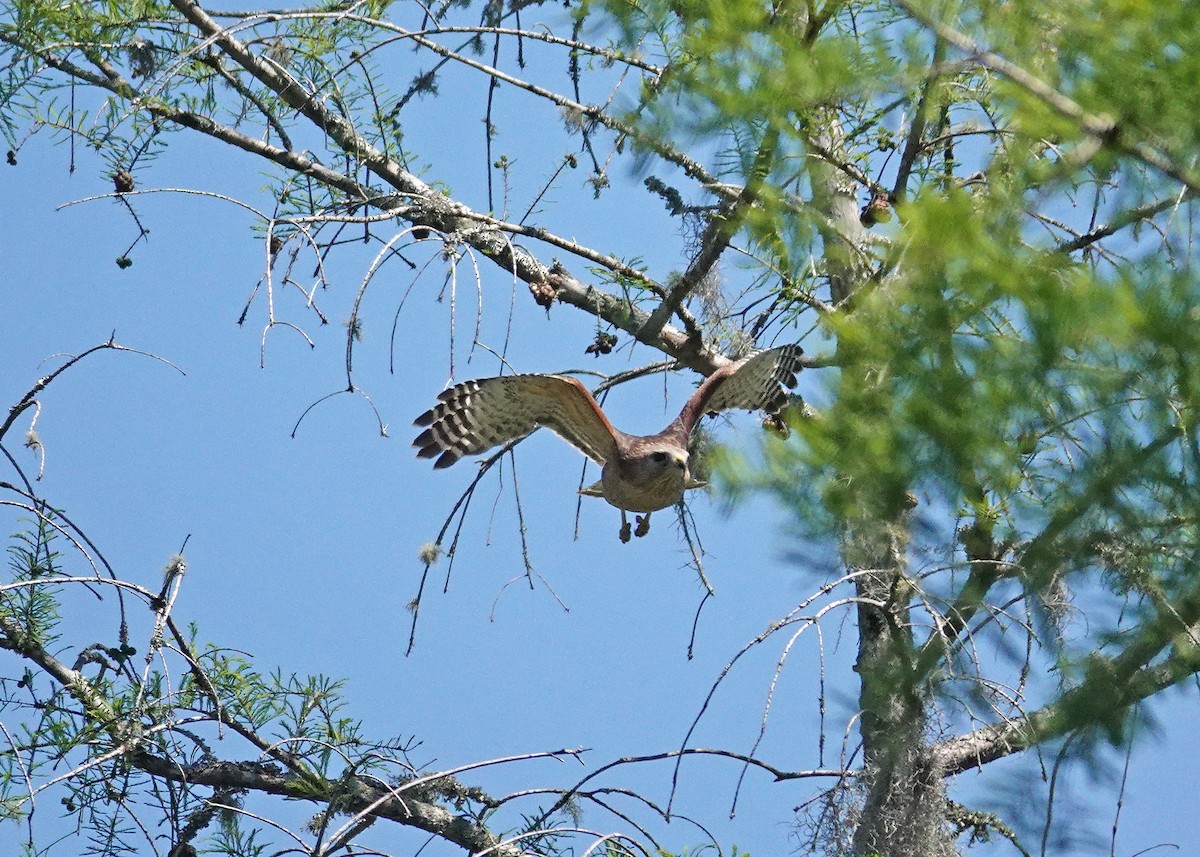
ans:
(640, 473)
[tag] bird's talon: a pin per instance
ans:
(643, 525)
(625, 532)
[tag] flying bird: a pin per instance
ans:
(640, 473)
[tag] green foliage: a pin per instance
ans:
(302, 716)
(700, 852)
(32, 556)
(1135, 61)
(1004, 380)
(143, 45)
(231, 839)
(1041, 398)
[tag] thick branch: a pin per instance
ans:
(417, 203)
(401, 806)
(1118, 685)
(841, 232)
(1122, 220)
(294, 94)
(448, 216)
(1101, 128)
(353, 795)
(916, 132)
(14, 638)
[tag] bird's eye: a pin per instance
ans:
(660, 457)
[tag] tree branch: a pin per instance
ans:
(355, 793)
(1101, 128)
(722, 226)
(916, 132)
(1110, 689)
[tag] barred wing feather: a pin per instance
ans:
(474, 416)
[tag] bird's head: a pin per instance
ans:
(648, 475)
(659, 465)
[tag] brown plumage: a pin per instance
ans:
(640, 473)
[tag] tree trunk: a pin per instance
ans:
(905, 806)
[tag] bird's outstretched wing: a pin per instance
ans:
(756, 383)
(475, 416)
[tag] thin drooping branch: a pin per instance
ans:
(692, 168)
(422, 205)
(30, 397)
(779, 774)
(27, 401)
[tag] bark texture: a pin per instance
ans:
(905, 808)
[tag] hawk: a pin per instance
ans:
(640, 473)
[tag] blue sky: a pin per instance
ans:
(303, 552)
